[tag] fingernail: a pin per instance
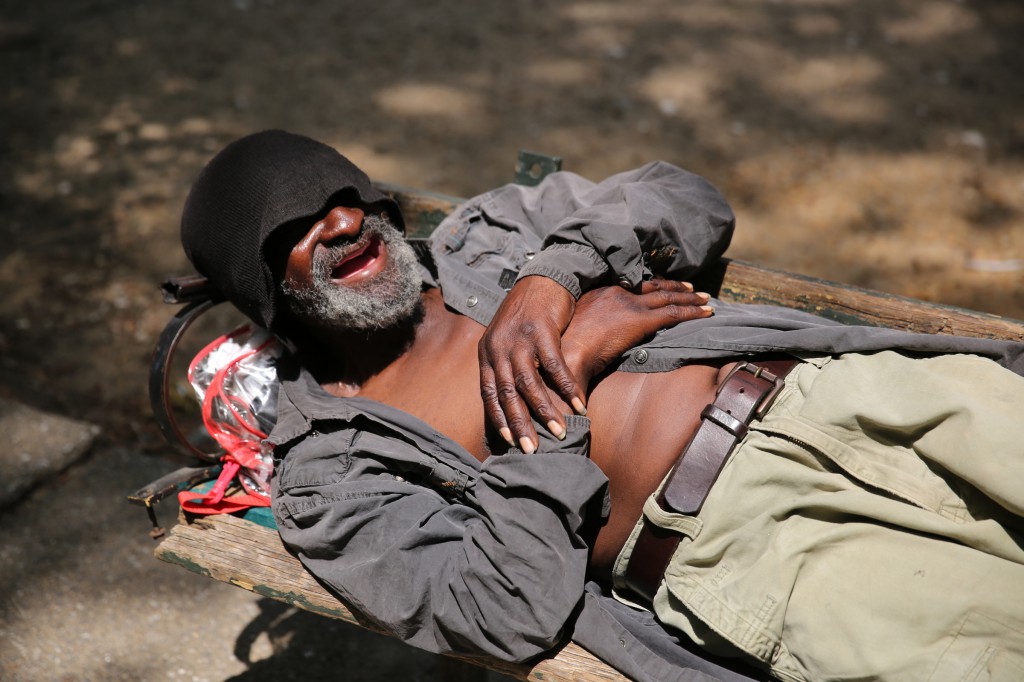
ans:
(707, 308)
(527, 445)
(580, 408)
(506, 433)
(703, 295)
(556, 429)
(689, 287)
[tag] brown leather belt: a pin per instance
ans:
(747, 392)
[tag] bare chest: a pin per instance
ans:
(439, 385)
(639, 422)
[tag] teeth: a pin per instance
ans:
(352, 253)
(341, 269)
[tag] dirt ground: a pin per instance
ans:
(879, 143)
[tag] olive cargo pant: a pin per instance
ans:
(869, 527)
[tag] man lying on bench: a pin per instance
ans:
(818, 500)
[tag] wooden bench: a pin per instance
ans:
(251, 556)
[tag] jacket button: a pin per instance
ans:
(530, 255)
(625, 283)
(640, 356)
(472, 301)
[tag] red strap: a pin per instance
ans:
(193, 503)
(216, 493)
(213, 501)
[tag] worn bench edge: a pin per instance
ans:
(743, 282)
(250, 556)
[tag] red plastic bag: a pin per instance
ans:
(235, 378)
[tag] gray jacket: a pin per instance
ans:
(657, 219)
(453, 555)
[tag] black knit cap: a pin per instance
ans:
(253, 187)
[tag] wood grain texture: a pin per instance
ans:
(253, 557)
(741, 282)
(423, 211)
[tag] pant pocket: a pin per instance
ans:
(687, 526)
(985, 649)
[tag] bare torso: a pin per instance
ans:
(639, 422)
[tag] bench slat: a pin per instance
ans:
(742, 282)
(253, 557)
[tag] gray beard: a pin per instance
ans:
(380, 302)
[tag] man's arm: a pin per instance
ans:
(607, 322)
(591, 344)
(657, 219)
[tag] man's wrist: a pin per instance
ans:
(579, 364)
(576, 267)
(559, 277)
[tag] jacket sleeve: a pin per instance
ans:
(657, 219)
(493, 566)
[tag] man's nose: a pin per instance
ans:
(342, 221)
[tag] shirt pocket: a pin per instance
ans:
(317, 459)
(478, 235)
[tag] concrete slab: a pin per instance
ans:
(35, 445)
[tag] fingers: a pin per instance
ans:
(666, 292)
(510, 389)
(667, 310)
(664, 305)
(562, 379)
(492, 406)
(652, 285)
(671, 315)
(674, 292)
(519, 352)
(660, 297)
(686, 305)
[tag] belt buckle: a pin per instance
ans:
(759, 373)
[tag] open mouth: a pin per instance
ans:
(361, 261)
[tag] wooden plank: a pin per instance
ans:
(741, 282)
(253, 557)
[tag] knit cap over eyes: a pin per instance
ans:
(249, 190)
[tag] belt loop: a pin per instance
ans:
(690, 526)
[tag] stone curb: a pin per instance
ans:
(36, 445)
